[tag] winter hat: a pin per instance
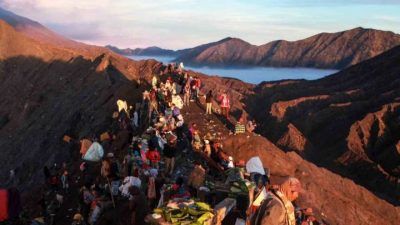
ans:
(153, 172)
(77, 217)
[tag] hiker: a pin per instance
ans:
(231, 164)
(186, 94)
(154, 80)
(135, 117)
(86, 198)
(145, 110)
(192, 129)
(170, 154)
(177, 100)
(78, 220)
(110, 170)
(129, 182)
(277, 208)
(168, 84)
(179, 189)
(193, 86)
(137, 206)
(196, 142)
(251, 126)
(65, 181)
(181, 67)
(207, 148)
(260, 193)
(175, 110)
(239, 127)
(153, 100)
(153, 156)
(197, 176)
(151, 188)
(209, 96)
(225, 104)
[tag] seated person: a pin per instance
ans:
(179, 189)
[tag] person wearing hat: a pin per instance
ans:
(277, 208)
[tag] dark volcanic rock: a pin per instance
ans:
(48, 92)
(350, 119)
(324, 50)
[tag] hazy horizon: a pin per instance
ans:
(178, 24)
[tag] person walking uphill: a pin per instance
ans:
(209, 96)
(277, 208)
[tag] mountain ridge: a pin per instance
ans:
(336, 50)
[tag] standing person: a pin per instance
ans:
(186, 94)
(277, 208)
(225, 104)
(145, 110)
(135, 118)
(154, 80)
(198, 86)
(239, 127)
(170, 154)
(137, 206)
(251, 126)
(209, 96)
(153, 156)
(193, 85)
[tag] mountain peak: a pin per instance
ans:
(231, 39)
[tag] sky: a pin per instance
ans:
(177, 24)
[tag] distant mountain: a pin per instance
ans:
(35, 30)
(325, 50)
(150, 51)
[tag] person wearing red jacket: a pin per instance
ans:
(154, 157)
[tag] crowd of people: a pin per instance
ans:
(134, 164)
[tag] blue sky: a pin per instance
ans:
(179, 24)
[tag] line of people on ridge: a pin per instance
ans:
(132, 179)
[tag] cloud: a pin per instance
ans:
(185, 23)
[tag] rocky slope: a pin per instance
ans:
(325, 50)
(150, 51)
(50, 90)
(47, 92)
(347, 122)
(336, 199)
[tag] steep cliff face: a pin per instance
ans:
(349, 120)
(326, 50)
(48, 91)
(376, 138)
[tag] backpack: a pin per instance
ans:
(260, 212)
